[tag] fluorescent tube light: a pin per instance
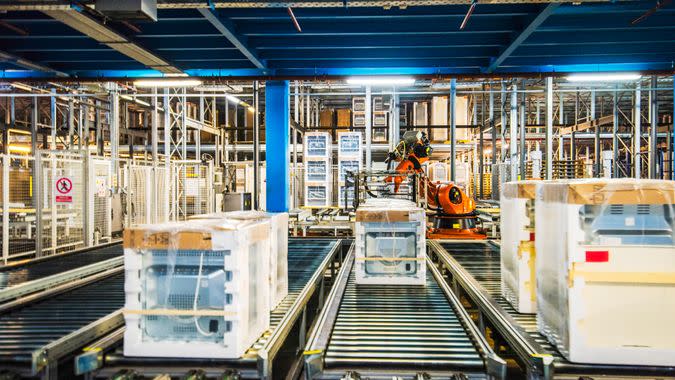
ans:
(600, 77)
(163, 83)
(233, 99)
(381, 81)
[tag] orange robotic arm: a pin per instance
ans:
(447, 198)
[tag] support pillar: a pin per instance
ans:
(277, 126)
(513, 134)
(256, 147)
(653, 137)
(549, 128)
(369, 125)
(453, 129)
(637, 136)
(615, 131)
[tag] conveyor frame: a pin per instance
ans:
(277, 358)
(50, 281)
(537, 361)
(46, 359)
(317, 346)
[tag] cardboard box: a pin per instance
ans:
(326, 117)
(390, 243)
(196, 289)
(605, 270)
(278, 234)
(344, 117)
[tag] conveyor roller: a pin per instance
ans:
(35, 269)
(412, 325)
(33, 326)
(308, 259)
(397, 330)
(481, 260)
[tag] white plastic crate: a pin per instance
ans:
(518, 254)
(317, 145)
(318, 195)
(278, 222)
(605, 270)
(390, 243)
(318, 170)
(341, 195)
(196, 289)
(347, 165)
(350, 145)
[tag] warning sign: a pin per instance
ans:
(64, 187)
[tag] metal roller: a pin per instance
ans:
(308, 259)
(397, 330)
(18, 274)
(481, 261)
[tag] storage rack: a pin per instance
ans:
(375, 331)
(350, 158)
(474, 267)
(318, 162)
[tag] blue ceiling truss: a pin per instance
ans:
(499, 39)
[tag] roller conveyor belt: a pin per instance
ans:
(405, 331)
(482, 261)
(26, 329)
(305, 258)
(18, 274)
(414, 326)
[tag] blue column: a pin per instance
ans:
(277, 154)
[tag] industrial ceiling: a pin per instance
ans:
(336, 38)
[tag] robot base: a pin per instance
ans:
(455, 227)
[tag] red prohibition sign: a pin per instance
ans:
(64, 185)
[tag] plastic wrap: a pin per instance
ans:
(390, 243)
(278, 271)
(517, 245)
(196, 289)
(606, 270)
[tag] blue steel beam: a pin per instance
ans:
(227, 29)
(523, 35)
(313, 72)
(277, 154)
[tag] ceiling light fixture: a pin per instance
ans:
(381, 81)
(164, 83)
(603, 77)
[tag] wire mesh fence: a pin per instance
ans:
(62, 201)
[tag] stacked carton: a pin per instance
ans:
(196, 289)
(350, 159)
(518, 253)
(390, 243)
(380, 117)
(359, 111)
(318, 160)
(605, 270)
